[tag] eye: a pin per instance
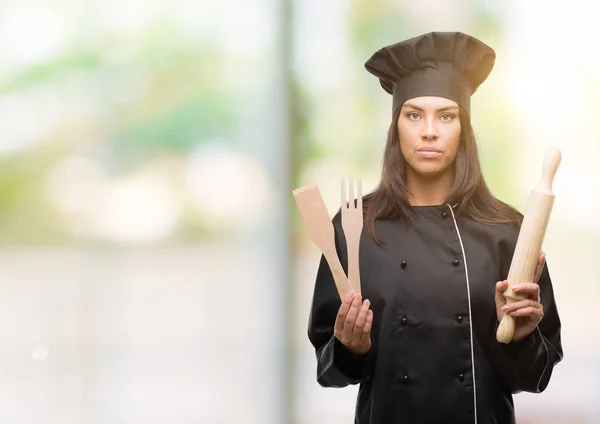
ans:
(413, 116)
(447, 117)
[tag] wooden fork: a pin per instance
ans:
(352, 224)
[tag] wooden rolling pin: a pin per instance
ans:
(529, 241)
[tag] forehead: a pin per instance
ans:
(431, 102)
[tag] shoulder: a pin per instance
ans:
(498, 240)
(337, 219)
(504, 233)
(493, 217)
(338, 230)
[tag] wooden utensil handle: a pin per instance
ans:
(339, 276)
(354, 268)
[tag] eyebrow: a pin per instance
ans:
(442, 109)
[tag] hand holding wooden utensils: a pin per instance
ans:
(321, 232)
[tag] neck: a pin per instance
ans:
(428, 190)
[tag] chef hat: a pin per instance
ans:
(443, 64)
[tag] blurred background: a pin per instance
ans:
(153, 265)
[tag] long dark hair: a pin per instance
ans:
(469, 192)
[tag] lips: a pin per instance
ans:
(429, 152)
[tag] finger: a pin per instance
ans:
(361, 319)
(351, 317)
(530, 311)
(531, 289)
(501, 287)
(342, 312)
(539, 267)
(521, 304)
(368, 325)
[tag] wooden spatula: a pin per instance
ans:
(320, 229)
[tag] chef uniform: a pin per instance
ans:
(434, 356)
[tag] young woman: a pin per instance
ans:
(437, 247)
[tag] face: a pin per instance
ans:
(429, 130)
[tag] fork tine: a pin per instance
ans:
(359, 195)
(351, 185)
(343, 185)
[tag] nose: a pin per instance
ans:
(429, 130)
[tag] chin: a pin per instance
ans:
(429, 168)
(430, 173)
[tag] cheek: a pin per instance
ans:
(407, 138)
(403, 147)
(454, 141)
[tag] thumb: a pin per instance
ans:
(501, 286)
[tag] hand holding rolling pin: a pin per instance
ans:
(528, 312)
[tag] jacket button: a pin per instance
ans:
(461, 377)
(444, 215)
(459, 318)
(404, 320)
(455, 262)
(403, 264)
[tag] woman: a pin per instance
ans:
(421, 341)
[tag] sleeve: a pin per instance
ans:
(527, 365)
(336, 365)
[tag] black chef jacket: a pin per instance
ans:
(434, 355)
